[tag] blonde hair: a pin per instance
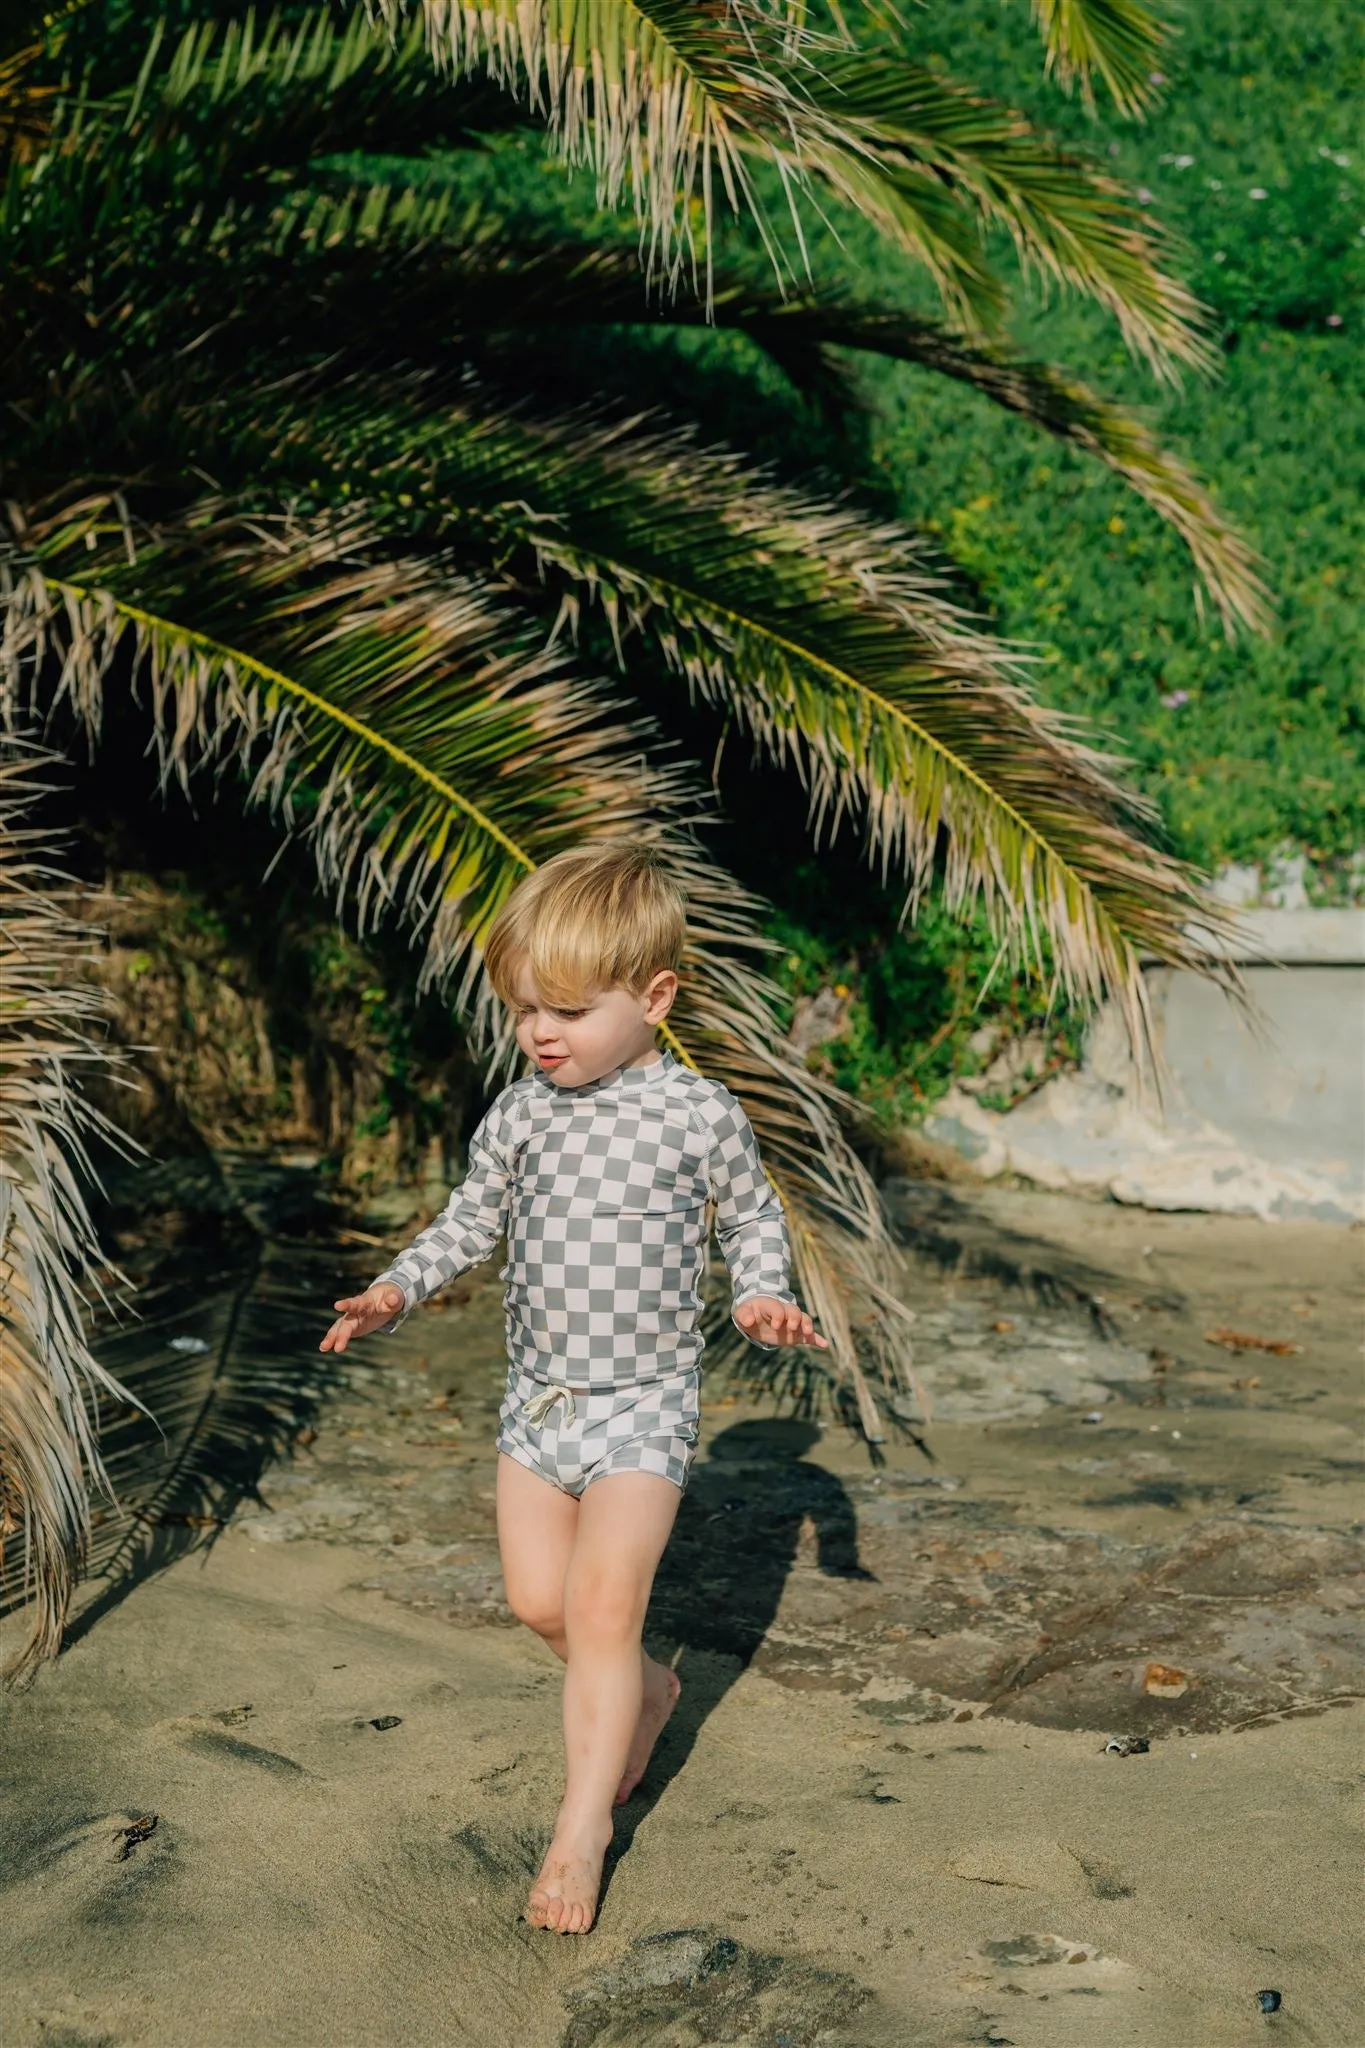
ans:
(604, 916)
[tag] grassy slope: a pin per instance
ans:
(1267, 749)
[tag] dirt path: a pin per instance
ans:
(884, 1816)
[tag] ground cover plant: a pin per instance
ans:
(304, 465)
(1255, 158)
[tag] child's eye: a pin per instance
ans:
(570, 1016)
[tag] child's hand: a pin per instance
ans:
(363, 1313)
(777, 1322)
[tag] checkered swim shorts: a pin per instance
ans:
(581, 1435)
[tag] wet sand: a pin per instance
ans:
(884, 1813)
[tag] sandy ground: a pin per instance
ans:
(884, 1815)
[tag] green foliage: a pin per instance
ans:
(1245, 748)
(912, 1001)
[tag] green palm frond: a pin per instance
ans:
(662, 99)
(50, 1258)
(831, 640)
(482, 281)
(309, 651)
(828, 636)
(1045, 395)
(436, 774)
(266, 94)
(676, 103)
(880, 130)
(1119, 41)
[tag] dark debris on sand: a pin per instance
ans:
(725, 1990)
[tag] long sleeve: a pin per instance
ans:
(749, 1220)
(470, 1224)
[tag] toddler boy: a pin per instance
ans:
(599, 1167)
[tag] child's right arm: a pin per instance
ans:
(464, 1233)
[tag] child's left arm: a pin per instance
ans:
(753, 1236)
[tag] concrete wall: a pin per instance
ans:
(1269, 1120)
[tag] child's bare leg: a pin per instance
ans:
(660, 1691)
(623, 1524)
(537, 1524)
(536, 1528)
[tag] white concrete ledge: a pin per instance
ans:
(1298, 938)
(1269, 1124)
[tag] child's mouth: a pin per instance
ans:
(552, 1059)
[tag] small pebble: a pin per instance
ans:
(384, 1721)
(1269, 2001)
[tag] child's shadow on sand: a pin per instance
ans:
(721, 1580)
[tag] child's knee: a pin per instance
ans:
(533, 1606)
(604, 1607)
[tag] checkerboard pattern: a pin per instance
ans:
(647, 1428)
(602, 1192)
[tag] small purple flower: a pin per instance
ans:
(1334, 319)
(1144, 196)
(1258, 192)
(1175, 699)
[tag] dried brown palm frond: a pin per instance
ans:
(723, 1024)
(50, 1261)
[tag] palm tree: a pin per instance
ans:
(281, 467)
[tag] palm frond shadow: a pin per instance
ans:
(223, 1415)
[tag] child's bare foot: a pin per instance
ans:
(563, 1899)
(662, 1688)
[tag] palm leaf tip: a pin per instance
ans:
(1228, 571)
(1120, 41)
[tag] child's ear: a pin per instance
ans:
(659, 995)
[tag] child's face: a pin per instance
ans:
(613, 1027)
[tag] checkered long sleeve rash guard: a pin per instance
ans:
(602, 1192)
